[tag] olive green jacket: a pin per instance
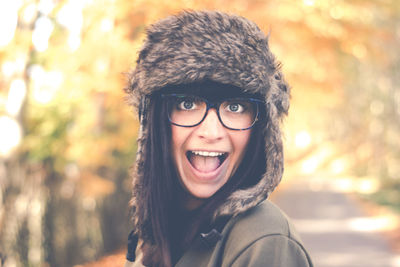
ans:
(262, 236)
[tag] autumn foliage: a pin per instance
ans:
(67, 137)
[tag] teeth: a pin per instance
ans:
(207, 154)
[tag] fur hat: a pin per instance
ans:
(195, 46)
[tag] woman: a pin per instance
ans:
(211, 97)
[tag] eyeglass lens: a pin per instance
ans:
(190, 111)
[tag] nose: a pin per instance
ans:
(211, 128)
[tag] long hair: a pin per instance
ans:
(162, 185)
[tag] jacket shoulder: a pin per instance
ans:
(258, 233)
(264, 219)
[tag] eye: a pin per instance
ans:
(186, 104)
(235, 107)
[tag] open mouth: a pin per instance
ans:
(205, 161)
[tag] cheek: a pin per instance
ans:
(240, 142)
(179, 136)
(175, 142)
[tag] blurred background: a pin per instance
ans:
(67, 137)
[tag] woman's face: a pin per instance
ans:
(206, 156)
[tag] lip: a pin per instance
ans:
(208, 176)
(207, 150)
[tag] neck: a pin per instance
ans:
(189, 202)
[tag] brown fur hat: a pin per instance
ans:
(195, 46)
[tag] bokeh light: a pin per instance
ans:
(16, 97)
(41, 34)
(10, 135)
(302, 139)
(8, 20)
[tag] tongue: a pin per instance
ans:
(205, 164)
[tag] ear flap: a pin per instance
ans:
(142, 108)
(281, 97)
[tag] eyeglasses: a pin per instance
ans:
(233, 113)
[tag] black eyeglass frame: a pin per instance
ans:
(216, 105)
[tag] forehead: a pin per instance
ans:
(208, 89)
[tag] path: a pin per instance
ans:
(333, 227)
